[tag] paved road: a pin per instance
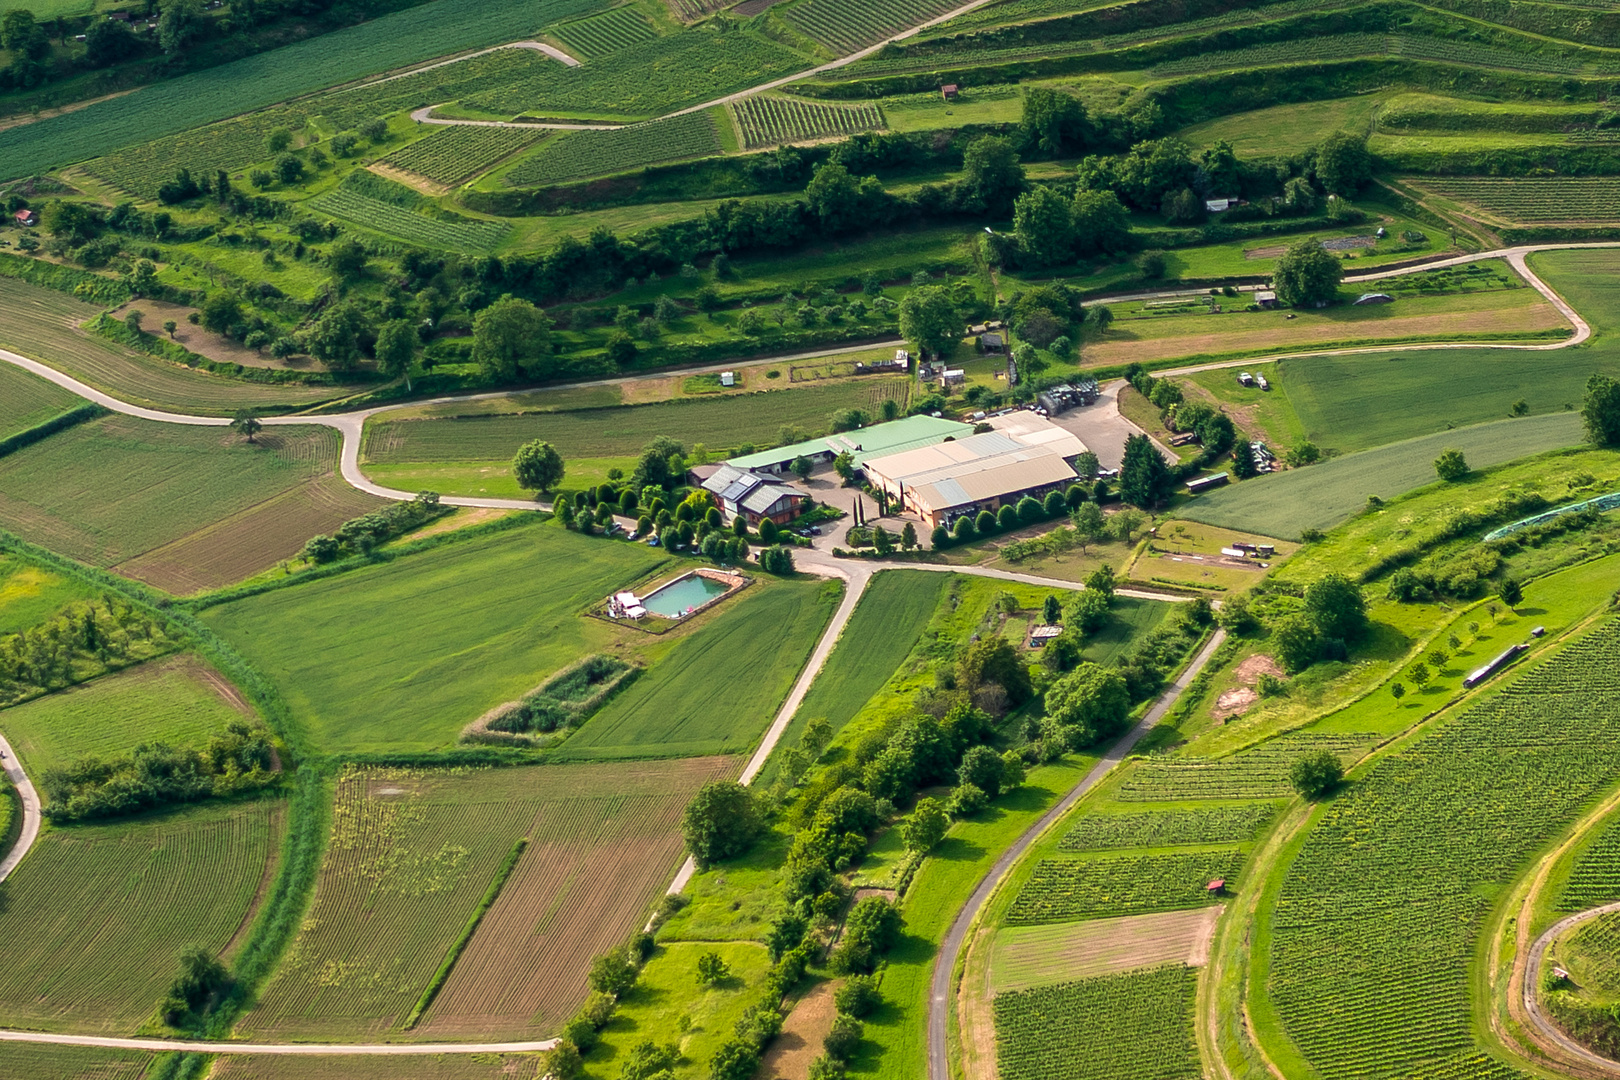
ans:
(951, 948)
(1531, 981)
(30, 805)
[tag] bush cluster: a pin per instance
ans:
(158, 775)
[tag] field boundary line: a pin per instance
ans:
(950, 949)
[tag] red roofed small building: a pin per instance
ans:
(948, 91)
(26, 217)
(1217, 887)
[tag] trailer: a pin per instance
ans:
(1480, 674)
(1205, 483)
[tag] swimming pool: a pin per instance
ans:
(684, 593)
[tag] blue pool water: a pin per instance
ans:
(673, 599)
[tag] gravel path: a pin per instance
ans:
(1531, 982)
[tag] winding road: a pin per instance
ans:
(856, 574)
(1532, 982)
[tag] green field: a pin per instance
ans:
(1286, 129)
(768, 121)
(445, 234)
(1399, 872)
(1221, 825)
(31, 594)
(689, 704)
(397, 40)
(1052, 1032)
(111, 489)
(1320, 496)
(431, 641)
(412, 853)
(621, 431)
(845, 26)
(42, 324)
(97, 915)
(1129, 619)
(373, 1067)
(179, 701)
(1062, 890)
(40, 1061)
(578, 154)
(26, 400)
(880, 634)
(604, 34)
(452, 154)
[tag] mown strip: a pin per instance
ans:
(460, 944)
(61, 422)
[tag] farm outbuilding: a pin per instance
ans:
(862, 443)
(741, 493)
(27, 218)
(1266, 298)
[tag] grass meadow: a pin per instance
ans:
(178, 700)
(412, 853)
(31, 594)
(26, 400)
(401, 656)
(118, 487)
(880, 634)
(716, 689)
(43, 325)
(96, 916)
(1320, 496)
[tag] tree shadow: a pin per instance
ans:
(1382, 642)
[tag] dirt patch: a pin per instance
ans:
(975, 1018)
(46, 114)
(644, 390)
(410, 179)
(1034, 956)
(463, 518)
(1242, 697)
(220, 685)
(803, 1033)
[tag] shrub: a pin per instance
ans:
(859, 996)
(1316, 775)
(842, 1040)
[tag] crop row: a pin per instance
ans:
(1133, 1026)
(1537, 199)
(1377, 923)
(598, 153)
(1361, 46)
(1595, 876)
(1063, 890)
(453, 154)
(768, 121)
(1260, 773)
(1594, 950)
(141, 170)
(1222, 825)
(649, 78)
(601, 35)
(846, 26)
(458, 234)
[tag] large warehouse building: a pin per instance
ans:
(1023, 454)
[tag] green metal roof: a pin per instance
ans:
(877, 440)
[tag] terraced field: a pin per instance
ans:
(453, 154)
(1260, 773)
(1050, 1032)
(451, 233)
(771, 121)
(597, 153)
(1534, 200)
(604, 34)
(846, 26)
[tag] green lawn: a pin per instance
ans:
(879, 636)
(1131, 619)
(401, 656)
(718, 688)
(170, 701)
(26, 400)
(113, 488)
(31, 594)
(1286, 129)
(1320, 496)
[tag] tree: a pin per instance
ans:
(991, 175)
(1601, 410)
(776, 560)
(1296, 643)
(1091, 700)
(221, 313)
(334, 338)
(22, 36)
(537, 466)
(1397, 690)
(1051, 609)
(178, 24)
(109, 42)
(1099, 226)
(802, 467)
(1144, 479)
(508, 335)
(1510, 592)
(1451, 466)
(1302, 453)
(133, 319)
(1307, 275)
(993, 659)
(1243, 465)
(841, 201)
(289, 168)
(940, 538)
(1103, 318)
(925, 827)
(1343, 164)
(712, 969)
(347, 258)
(1044, 224)
(169, 327)
(1316, 775)
(1054, 122)
(246, 423)
(929, 319)
(1335, 604)
(612, 973)
(562, 1062)
(720, 822)
(396, 349)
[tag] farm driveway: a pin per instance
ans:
(30, 805)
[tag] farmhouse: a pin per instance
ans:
(867, 442)
(1023, 454)
(739, 492)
